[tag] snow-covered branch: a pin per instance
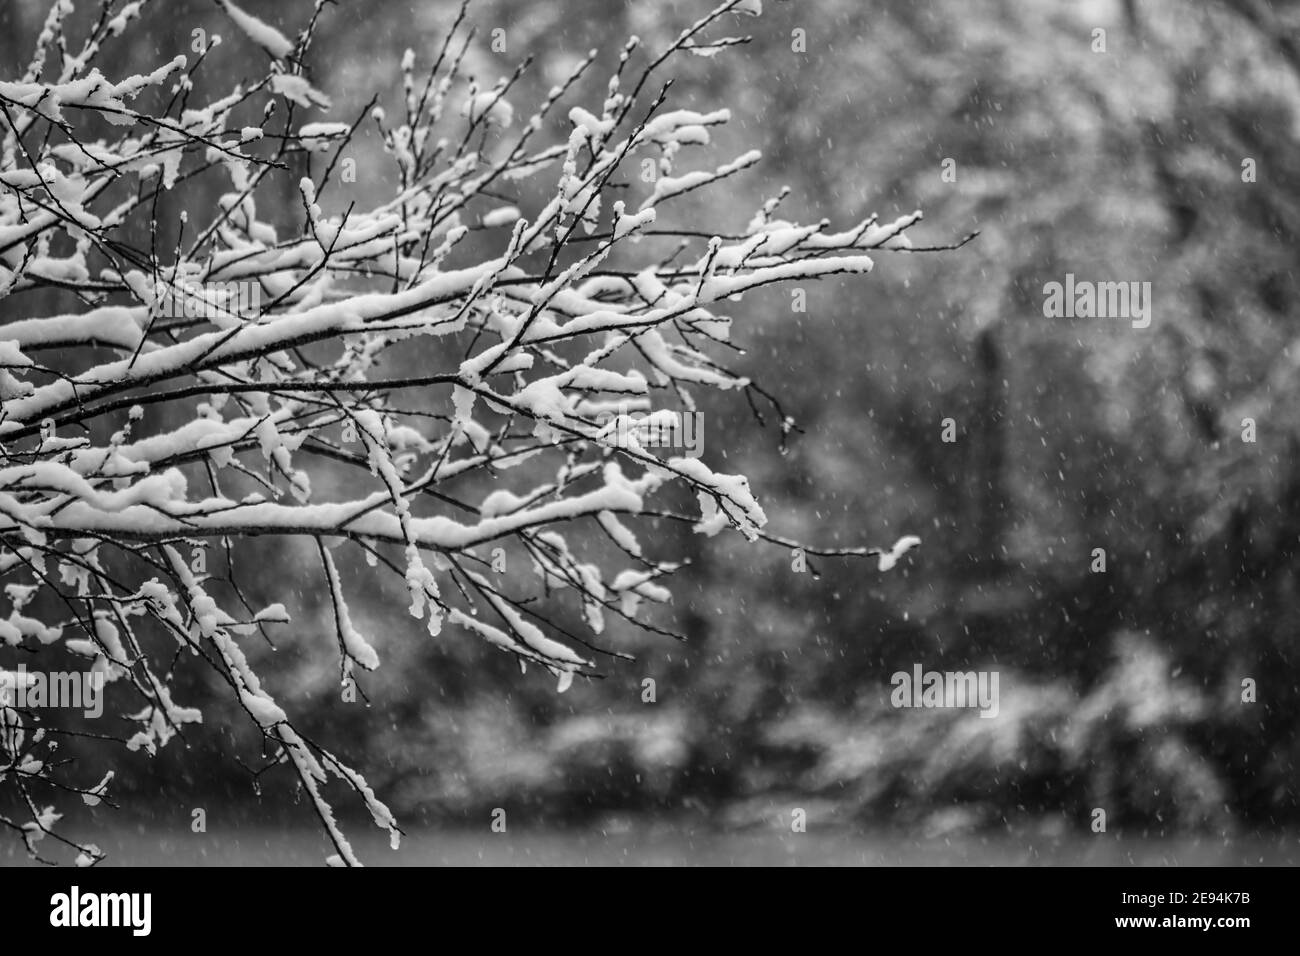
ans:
(201, 393)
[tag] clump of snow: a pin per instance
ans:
(489, 107)
(263, 34)
(298, 90)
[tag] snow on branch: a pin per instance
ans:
(197, 394)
